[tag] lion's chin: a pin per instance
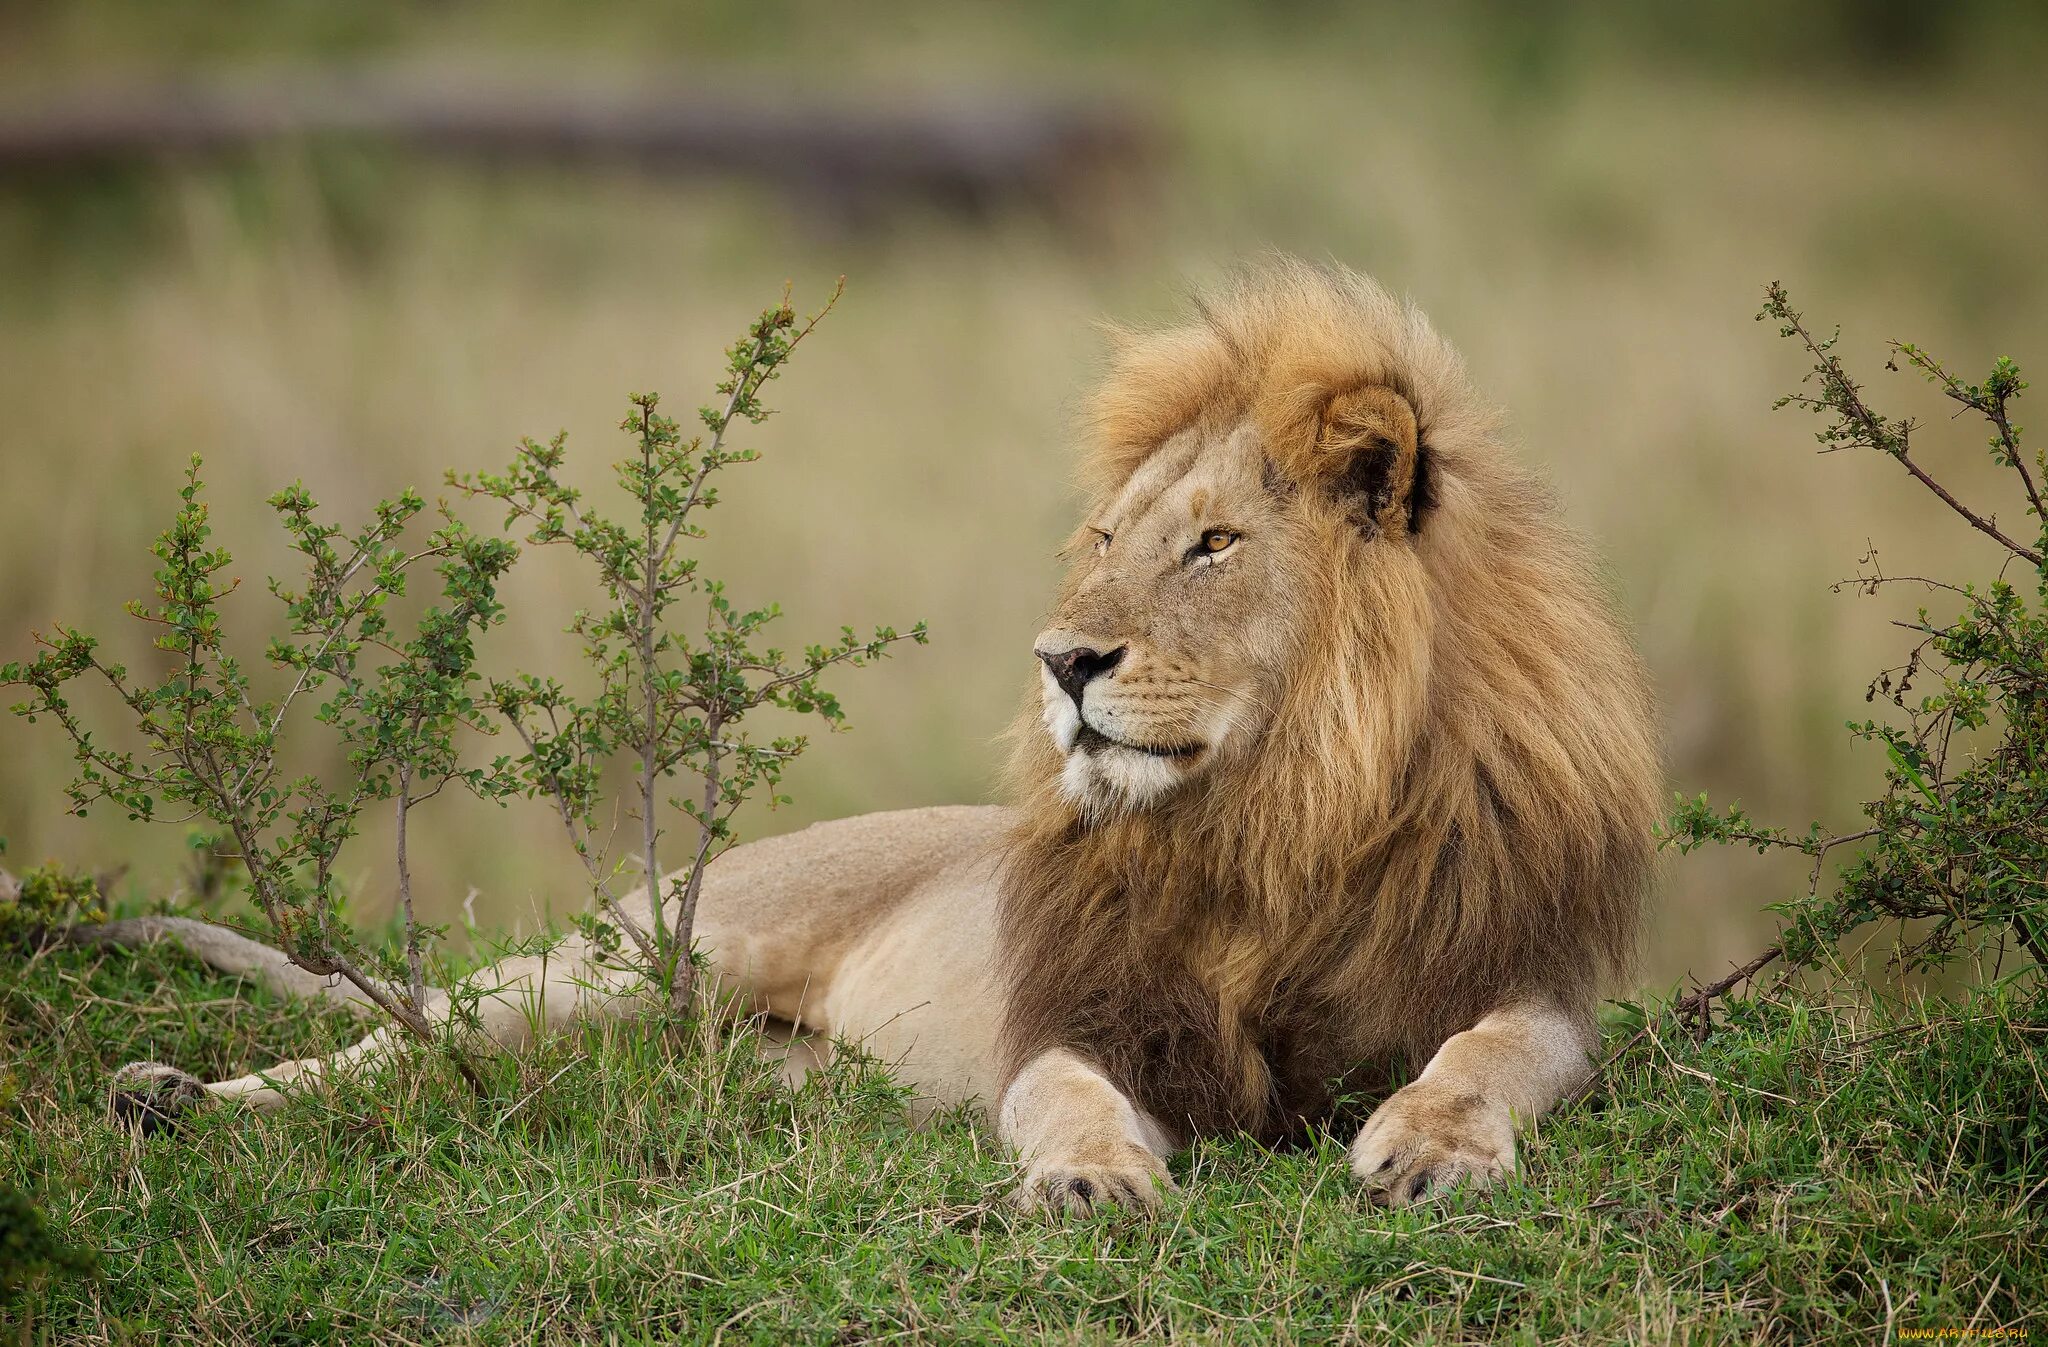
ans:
(1109, 777)
(1102, 775)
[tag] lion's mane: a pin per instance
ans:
(1453, 806)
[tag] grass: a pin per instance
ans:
(1812, 1172)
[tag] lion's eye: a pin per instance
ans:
(1214, 541)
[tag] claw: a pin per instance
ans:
(1424, 1141)
(1079, 1194)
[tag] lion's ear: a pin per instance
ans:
(1366, 451)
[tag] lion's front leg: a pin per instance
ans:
(1456, 1122)
(1083, 1142)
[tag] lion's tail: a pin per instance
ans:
(505, 1005)
(227, 951)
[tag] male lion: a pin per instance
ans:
(1339, 767)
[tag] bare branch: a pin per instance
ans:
(1883, 436)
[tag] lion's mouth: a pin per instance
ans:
(1092, 740)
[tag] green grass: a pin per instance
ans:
(1809, 1173)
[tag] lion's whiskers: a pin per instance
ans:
(1238, 693)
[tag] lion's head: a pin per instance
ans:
(1265, 482)
(1330, 709)
(1200, 581)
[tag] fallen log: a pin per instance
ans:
(962, 152)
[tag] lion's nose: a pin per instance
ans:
(1074, 669)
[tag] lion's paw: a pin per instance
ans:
(149, 1097)
(1428, 1139)
(1133, 1178)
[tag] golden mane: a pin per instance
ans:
(1454, 801)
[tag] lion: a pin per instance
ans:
(1338, 773)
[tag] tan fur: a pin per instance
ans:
(1449, 802)
(1081, 1140)
(1358, 782)
(1456, 1122)
(875, 930)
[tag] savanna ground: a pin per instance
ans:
(1810, 1173)
(1587, 203)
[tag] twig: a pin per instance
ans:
(1699, 1003)
(1992, 408)
(1878, 434)
(577, 843)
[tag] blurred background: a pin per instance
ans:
(358, 244)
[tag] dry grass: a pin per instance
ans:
(362, 321)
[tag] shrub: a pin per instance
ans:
(47, 899)
(665, 703)
(1953, 857)
(31, 1252)
(408, 707)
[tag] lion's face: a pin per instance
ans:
(1168, 647)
